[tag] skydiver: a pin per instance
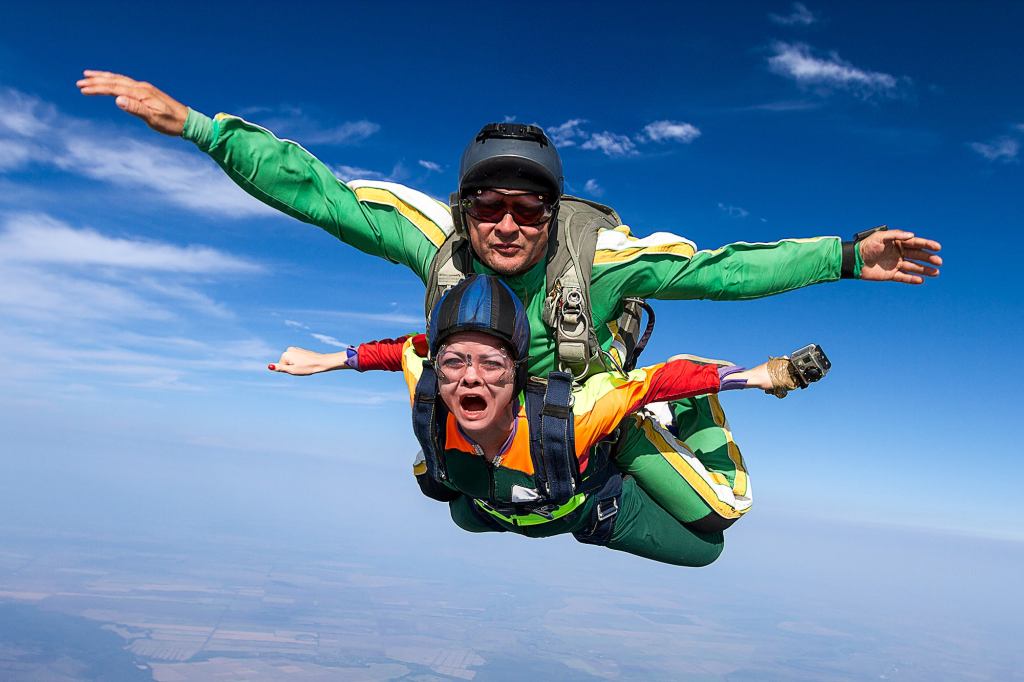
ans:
(507, 205)
(489, 454)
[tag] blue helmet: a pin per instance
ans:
(483, 303)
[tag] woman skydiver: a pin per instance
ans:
(510, 453)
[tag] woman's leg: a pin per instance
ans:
(690, 466)
(645, 529)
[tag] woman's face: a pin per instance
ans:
(476, 377)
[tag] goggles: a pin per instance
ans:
(493, 367)
(490, 206)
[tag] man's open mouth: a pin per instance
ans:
(472, 404)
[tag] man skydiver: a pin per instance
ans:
(484, 443)
(503, 209)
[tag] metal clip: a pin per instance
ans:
(606, 512)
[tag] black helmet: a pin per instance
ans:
(511, 156)
(483, 303)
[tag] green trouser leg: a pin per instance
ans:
(645, 529)
(698, 476)
(641, 528)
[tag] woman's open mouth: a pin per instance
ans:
(472, 405)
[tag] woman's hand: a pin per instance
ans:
(302, 362)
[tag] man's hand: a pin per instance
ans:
(302, 362)
(898, 256)
(161, 112)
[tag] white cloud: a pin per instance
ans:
(797, 61)
(352, 131)
(16, 153)
(296, 325)
(430, 166)
(1003, 149)
(329, 340)
(566, 134)
(296, 124)
(85, 149)
(592, 187)
(178, 176)
(53, 271)
(733, 211)
(23, 114)
(80, 306)
(187, 296)
(799, 16)
(347, 173)
(611, 144)
(675, 131)
(39, 238)
(40, 295)
(415, 321)
(785, 105)
(572, 133)
(132, 360)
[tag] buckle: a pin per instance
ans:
(604, 512)
(543, 511)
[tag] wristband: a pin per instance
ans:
(731, 384)
(850, 268)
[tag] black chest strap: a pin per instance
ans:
(552, 437)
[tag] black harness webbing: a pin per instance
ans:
(429, 411)
(552, 437)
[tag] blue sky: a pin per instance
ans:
(142, 294)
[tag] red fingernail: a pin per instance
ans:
(271, 367)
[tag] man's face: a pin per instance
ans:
(476, 379)
(507, 247)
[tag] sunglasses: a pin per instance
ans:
(490, 206)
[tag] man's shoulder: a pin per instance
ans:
(432, 216)
(618, 246)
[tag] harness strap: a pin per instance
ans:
(535, 516)
(552, 437)
(604, 514)
(428, 417)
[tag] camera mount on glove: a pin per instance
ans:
(799, 370)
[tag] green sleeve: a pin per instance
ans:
(382, 219)
(734, 272)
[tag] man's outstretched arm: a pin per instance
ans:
(666, 267)
(382, 219)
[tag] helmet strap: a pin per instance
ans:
(458, 214)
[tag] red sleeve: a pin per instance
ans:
(385, 354)
(419, 342)
(611, 398)
(678, 379)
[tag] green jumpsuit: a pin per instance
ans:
(696, 473)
